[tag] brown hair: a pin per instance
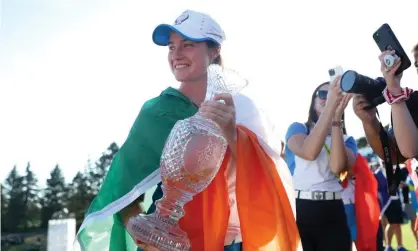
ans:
(212, 45)
(313, 116)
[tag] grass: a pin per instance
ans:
(408, 238)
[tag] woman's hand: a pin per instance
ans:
(223, 114)
(334, 93)
(393, 81)
(341, 107)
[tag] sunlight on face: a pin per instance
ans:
(188, 60)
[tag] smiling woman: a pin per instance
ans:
(222, 216)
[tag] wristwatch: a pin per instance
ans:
(337, 124)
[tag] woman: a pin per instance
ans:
(317, 153)
(223, 216)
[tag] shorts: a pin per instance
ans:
(394, 212)
(350, 211)
(410, 211)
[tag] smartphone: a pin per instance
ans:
(386, 40)
(335, 72)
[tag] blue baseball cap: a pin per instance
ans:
(192, 25)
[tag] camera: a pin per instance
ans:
(353, 82)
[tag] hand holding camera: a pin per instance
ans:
(360, 102)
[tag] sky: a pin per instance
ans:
(75, 73)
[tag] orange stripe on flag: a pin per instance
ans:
(266, 217)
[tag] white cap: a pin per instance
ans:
(192, 25)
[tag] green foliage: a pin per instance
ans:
(362, 142)
(25, 206)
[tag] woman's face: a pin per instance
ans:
(321, 99)
(189, 60)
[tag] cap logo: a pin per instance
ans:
(183, 17)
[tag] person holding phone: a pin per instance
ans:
(403, 140)
(317, 152)
(403, 136)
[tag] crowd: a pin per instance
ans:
(325, 197)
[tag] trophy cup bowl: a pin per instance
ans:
(191, 158)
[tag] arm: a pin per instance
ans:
(342, 157)
(309, 146)
(406, 132)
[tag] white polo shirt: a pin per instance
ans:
(314, 175)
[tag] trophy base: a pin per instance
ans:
(154, 231)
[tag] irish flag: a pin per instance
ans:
(266, 207)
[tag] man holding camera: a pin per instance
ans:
(403, 139)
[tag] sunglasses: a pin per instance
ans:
(322, 94)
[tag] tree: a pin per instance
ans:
(31, 204)
(80, 197)
(13, 217)
(4, 206)
(98, 173)
(54, 197)
(362, 142)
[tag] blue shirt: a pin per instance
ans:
(412, 194)
(382, 187)
(313, 175)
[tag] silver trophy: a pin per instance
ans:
(191, 158)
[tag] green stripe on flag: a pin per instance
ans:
(133, 171)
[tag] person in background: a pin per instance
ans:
(405, 131)
(383, 196)
(395, 218)
(317, 153)
(411, 205)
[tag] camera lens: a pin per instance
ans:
(348, 80)
(331, 72)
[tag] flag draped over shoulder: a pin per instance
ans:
(267, 209)
(367, 205)
(133, 171)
